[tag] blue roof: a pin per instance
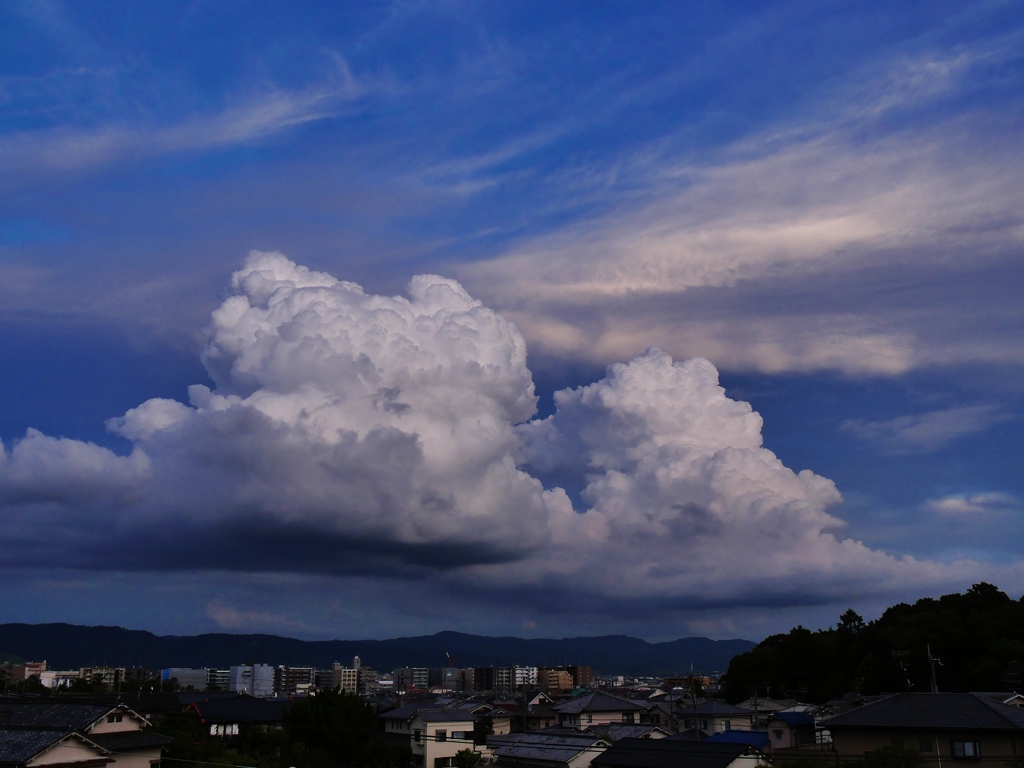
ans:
(758, 739)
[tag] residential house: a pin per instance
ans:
(597, 708)
(615, 731)
(229, 717)
(672, 753)
(796, 730)
(546, 750)
(435, 735)
(712, 716)
(938, 726)
(36, 732)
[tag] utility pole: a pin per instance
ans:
(932, 661)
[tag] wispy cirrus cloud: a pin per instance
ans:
(721, 256)
(925, 432)
(269, 111)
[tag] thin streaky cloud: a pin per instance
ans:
(273, 112)
(972, 506)
(925, 432)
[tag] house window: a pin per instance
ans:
(417, 735)
(703, 725)
(965, 749)
(627, 717)
(925, 745)
(778, 735)
(590, 718)
(440, 735)
(114, 718)
(727, 725)
(459, 736)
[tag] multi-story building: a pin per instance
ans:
(367, 681)
(346, 679)
(554, 678)
(445, 678)
(109, 676)
(524, 677)
(582, 677)
(289, 680)
(254, 679)
(408, 678)
(218, 679)
(187, 679)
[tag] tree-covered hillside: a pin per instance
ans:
(977, 636)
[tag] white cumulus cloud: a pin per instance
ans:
(349, 433)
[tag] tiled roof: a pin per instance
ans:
(403, 713)
(932, 710)
(666, 753)
(242, 709)
(625, 731)
(756, 739)
(430, 715)
(19, 746)
(714, 707)
(794, 718)
(542, 747)
(67, 715)
(597, 702)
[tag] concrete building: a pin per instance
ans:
(524, 677)
(346, 679)
(408, 678)
(218, 679)
(254, 679)
(188, 679)
(291, 680)
(111, 677)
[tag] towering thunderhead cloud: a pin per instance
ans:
(352, 433)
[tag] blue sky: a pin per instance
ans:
(821, 199)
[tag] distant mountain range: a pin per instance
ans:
(67, 646)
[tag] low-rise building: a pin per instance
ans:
(937, 726)
(597, 708)
(433, 734)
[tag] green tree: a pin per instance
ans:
(467, 758)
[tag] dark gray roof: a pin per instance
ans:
(667, 753)
(20, 746)
(403, 713)
(597, 702)
(67, 715)
(931, 710)
(432, 715)
(242, 709)
(624, 731)
(711, 707)
(756, 739)
(542, 747)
